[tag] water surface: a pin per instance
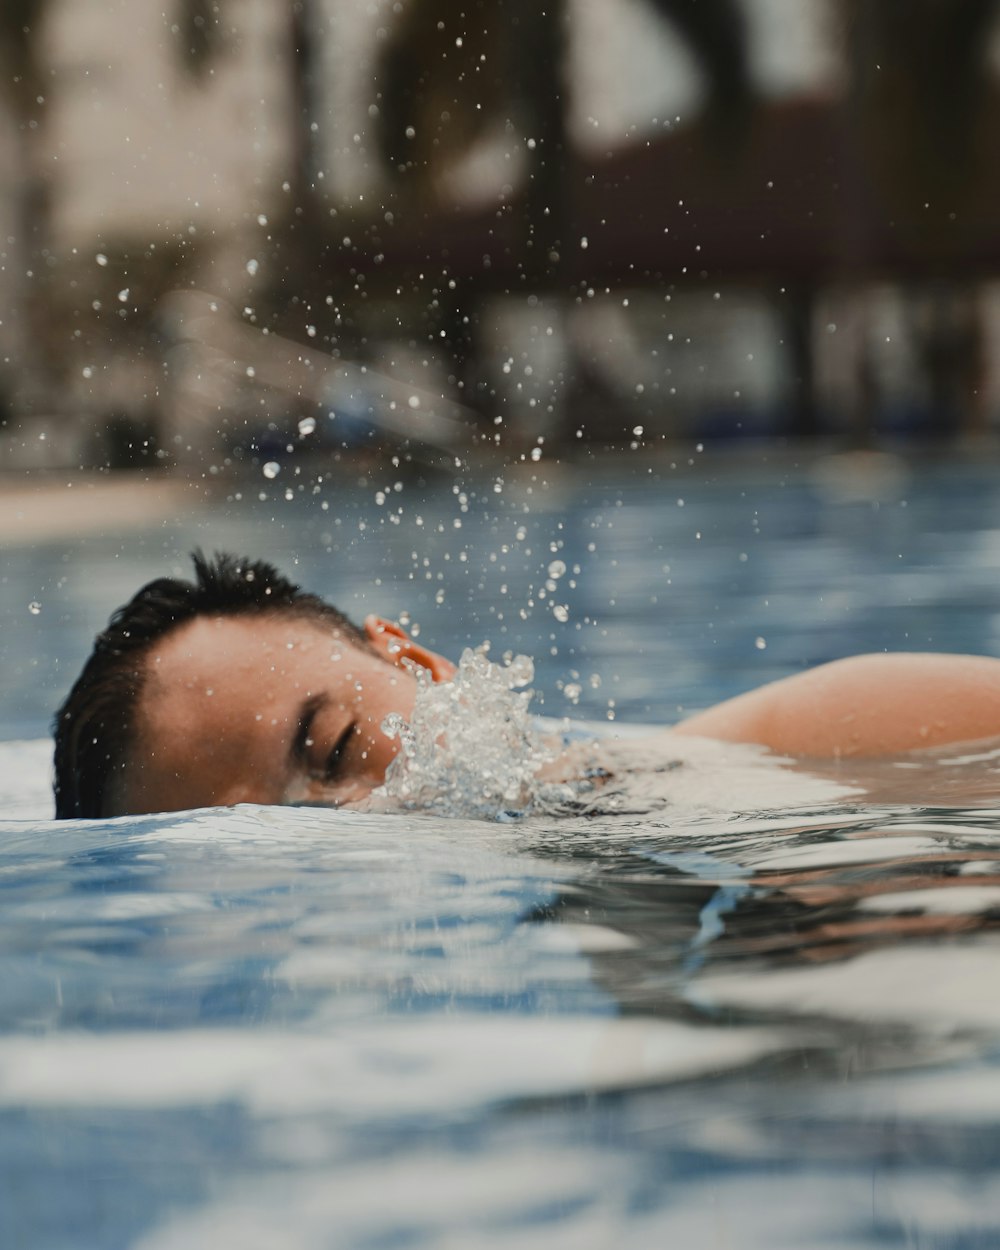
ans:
(752, 1006)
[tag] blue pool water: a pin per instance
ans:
(753, 1008)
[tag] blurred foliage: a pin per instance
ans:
(449, 72)
(920, 72)
(715, 34)
(199, 35)
(21, 22)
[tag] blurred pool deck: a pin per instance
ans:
(48, 505)
(39, 507)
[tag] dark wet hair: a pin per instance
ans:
(94, 726)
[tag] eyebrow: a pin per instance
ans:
(307, 714)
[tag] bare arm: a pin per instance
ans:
(868, 705)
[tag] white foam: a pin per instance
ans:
(470, 747)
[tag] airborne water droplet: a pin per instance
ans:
(34, 607)
(307, 425)
(271, 469)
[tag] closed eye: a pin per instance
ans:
(335, 760)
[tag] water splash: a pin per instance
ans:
(471, 747)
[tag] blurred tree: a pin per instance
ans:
(198, 30)
(456, 73)
(921, 108)
(23, 91)
(451, 73)
(920, 74)
(25, 86)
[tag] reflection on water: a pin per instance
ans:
(710, 1024)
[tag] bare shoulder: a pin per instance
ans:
(865, 705)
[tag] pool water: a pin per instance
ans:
(753, 1006)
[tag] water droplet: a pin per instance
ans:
(536, 453)
(572, 690)
(557, 569)
(252, 267)
(271, 469)
(34, 607)
(123, 295)
(638, 431)
(414, 401)
(101, 258)
(560, 612)
(87, 371)
(760, 643)
(307, 425)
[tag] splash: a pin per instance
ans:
(471, 748)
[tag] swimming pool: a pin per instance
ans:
(762, 1015)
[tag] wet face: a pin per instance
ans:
(272, 709)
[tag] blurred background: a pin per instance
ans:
(652, 337)
(233, 227)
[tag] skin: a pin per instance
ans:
(268, 710)
(864, 707)
(280, 709)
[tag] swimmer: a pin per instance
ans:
(240, 687)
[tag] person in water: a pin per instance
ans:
(240, 687)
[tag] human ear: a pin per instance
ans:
(394, 644)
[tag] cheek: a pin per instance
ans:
(382, 695)
(380, 749)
